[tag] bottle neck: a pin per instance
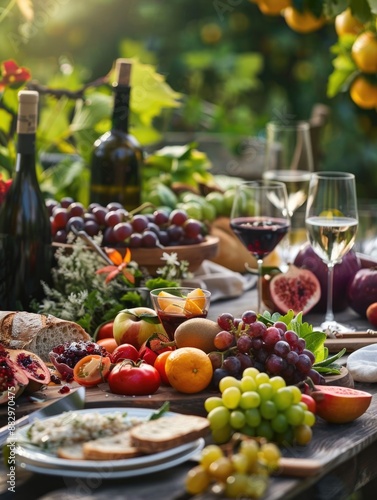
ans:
(26, 153)
(121, 110)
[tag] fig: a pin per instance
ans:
(363, 290)
(340, 405)
(34, 368)
(297, 289)
(12, 379)
(344, 272)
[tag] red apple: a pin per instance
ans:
(135, 326)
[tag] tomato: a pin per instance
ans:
(151, 348)
(310, 402)
(105, 331)
(134, 379)
(108, 344)
(124, 351)
(159, 364)
(92, 370)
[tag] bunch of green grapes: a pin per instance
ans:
(259, 406)
(243, 472)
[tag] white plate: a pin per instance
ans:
(46, 462)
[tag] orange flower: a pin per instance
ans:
(119, 267)
(13, 75)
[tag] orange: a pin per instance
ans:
(363, 93)
(273, 7)
(164, 299)
(189, 370)
(346, 23)
(364, 52)
(198, 297)
(302, 22)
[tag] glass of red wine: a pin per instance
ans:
(260, 219)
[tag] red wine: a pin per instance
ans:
(25, 234)
(171, 322)
(117, 156)
(260, 235)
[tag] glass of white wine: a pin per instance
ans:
(289, 159)
(331, 221)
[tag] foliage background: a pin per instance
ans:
(234, 67)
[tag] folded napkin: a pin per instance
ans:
(220, 281)
(362, 364)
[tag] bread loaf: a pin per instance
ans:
(167, 432)
(37, 333)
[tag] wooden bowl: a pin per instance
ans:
(150, 258)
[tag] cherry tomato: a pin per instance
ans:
(146, 354)
(109, 344)
(124, 351)
(134, 379)
(310, 402)
(105, 331)
(92, 370)
(159, 364)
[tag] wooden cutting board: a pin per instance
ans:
(351, 343)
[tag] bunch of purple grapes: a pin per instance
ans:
(248, 342)
(120, 228)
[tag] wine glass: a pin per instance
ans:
(260, 219)
(331, 223)
(289, 159)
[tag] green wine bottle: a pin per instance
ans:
(25, 230)
(117, 157)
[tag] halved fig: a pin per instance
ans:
(34, 368)
(297, 289)
(340, 405)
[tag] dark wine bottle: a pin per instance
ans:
(25, 231)
(117, 157)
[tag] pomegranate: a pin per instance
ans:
(339, 405)
(363, 290)
(12, 379)
(344, 272)
(297, 289)
(34, 368)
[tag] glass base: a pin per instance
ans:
(332, 328)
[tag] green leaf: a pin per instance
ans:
(337, 81)
(362, 9)
(161, 411)
(331, 359)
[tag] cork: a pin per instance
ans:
(123, 71)
(27, 112)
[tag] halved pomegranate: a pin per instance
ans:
(297, 289)
(339, 405)
(12, 379)
(34, 368)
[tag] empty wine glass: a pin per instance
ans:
(331, 223)
(260, 219)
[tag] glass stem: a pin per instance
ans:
(330, 281)
(260, 277)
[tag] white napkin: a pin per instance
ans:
(220, 281)
(362, 364)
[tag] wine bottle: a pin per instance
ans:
(117, 157)
(25, 231)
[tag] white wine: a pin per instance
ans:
(297, 183)
(25, 230)
(117, 156)
(331, 237)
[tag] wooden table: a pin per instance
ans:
(346, 452)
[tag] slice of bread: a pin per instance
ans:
(167, 432)
(110, 448)
(71, 452)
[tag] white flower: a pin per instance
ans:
(171, 259)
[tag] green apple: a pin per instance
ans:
(134, 326)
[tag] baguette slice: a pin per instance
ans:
(37, 333)
(168, 432)
(113, 447)
(110, 448)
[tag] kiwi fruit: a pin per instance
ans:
(197, 332)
